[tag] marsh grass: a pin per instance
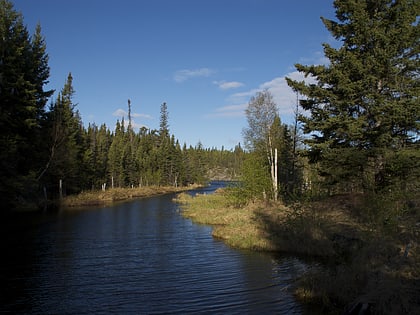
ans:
(93, 198)
(365, 257)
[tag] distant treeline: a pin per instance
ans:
(356, 127)
(46, 151)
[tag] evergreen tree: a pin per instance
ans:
(66, 142)
(366, 100)
(164, 121)
(116, 157)
(24, 72)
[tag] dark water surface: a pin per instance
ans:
(139, 257)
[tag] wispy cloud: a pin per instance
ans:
(318, 58)
(229, 111)
(146, 116)
(185, 74)
(123, 114)
(228, 85)
(119, 113)
(283, 95)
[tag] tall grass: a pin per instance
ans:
(364, 254)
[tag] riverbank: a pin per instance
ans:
(363, 263)
(109, 196)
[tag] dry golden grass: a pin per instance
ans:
(92, 198)
(363, 260)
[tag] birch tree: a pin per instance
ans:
(261, 114)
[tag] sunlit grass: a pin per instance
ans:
(364, 259)
(91, 198)
(238, 227)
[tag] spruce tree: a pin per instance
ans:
(66, 142)
(365, 103)
(24, 73)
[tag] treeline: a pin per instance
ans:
(356, 128)
(46, 152)
(96, 158)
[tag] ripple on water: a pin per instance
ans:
(141, 257)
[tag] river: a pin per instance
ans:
(137, 257)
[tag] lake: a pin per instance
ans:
(137, 257)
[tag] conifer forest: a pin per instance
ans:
(355, 130)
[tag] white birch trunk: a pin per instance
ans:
(275, 179)
(272, 158)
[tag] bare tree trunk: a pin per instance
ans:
(272, 159)
(274, 175)
(60, 187)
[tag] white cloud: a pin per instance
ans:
(147, 116)
(123, 114)
(185, 74)
(119, 113)
(283, 95)
(318, 58)
(139, 126)
(228, 85)
(229, 111)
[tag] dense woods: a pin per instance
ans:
(359, 121)
(47, 152)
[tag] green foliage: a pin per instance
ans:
(65, 141)
(272, 142)
(23, 73)
(365, 102)
(61, 149)
(254, 182)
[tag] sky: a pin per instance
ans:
(204, 58)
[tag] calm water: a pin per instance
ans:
(139, 257)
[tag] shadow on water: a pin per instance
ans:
(139, 257)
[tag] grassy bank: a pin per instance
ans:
(368, 263)
(95, 198)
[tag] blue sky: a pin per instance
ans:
(204, 58)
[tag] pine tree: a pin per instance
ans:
(66, 142)
(24, 72)
(366, 100)
(164, 121)
(116, 170)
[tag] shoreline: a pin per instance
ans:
(112, 195)
(362, 264)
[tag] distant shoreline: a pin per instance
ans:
(109, 196)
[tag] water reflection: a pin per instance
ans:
(138, 257)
